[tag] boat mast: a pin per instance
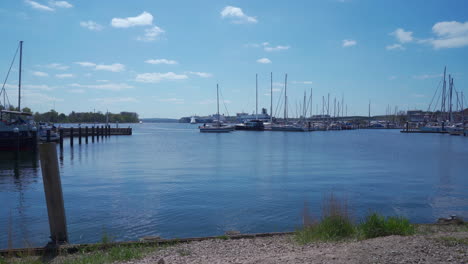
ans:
(442, 110)
(369, 112)
(271, 97)
(19, 82)
(304, 113)
(256, 96)
(285, 98)
(217, 103)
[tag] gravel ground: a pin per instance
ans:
(431, 248)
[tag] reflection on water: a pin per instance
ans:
(172, 181)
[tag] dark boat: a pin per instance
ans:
(17, 129)
(252, 125)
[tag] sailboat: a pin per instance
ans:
(217, 127)
(254, 124)
(286, 127)
(17, 129)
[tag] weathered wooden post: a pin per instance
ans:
(86, 134)
(79, 135)
(97, 133)
(92, 134)
(53, 193)
(102, 132)
(71, 136)
(108, 130)
(61, 137)
(48, 135)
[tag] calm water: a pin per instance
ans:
(172, 181)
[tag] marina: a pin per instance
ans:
(246, 181)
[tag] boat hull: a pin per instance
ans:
(22, 141)
(216, 129)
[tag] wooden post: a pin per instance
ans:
(48, 135)
(407, 126)
(86, 134)
(97, 133)
(109, 130)
(102, 132)
(92, 134)
(34, 136)
(61, 137)
(79, 135)
(53, 193)
(71, 136)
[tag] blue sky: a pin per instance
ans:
(164, 58)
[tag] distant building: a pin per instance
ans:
(415, 116)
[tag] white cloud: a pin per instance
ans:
(237, 15)
(113, 100)
(161, 61)
(202, 74)
(144, 19)
(349, 43)
(91, 25)
(393, 77)
(450, 34)
(301, 82)
(427, 76)
(403, 36)
(56, 66)
(106, 86)
(61, 4)
(211, 101)
(116, 67)
(102, 81)
(40, 74)
(395, 47)
(43, 87)
(151, 34)
(172, 100)
(156, 77)
(38, 6)
(277, 48)
(64, 75)
(264, 60)
(86, 64)
(78, 91)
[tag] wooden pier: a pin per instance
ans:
(84, 133)
(95, 131)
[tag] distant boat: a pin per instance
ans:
(193, 120)
(217, 127)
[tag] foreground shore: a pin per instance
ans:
(444, 247)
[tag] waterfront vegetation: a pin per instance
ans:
(80, 117)
(336, 224)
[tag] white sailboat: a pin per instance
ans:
(217, 127)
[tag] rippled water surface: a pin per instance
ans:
(172, 181)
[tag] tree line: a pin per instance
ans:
(80, 117)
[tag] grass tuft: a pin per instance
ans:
(376, 225)
(334, 225)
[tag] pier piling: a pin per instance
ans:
(79, 135)
(71, 136)
(102, 132)
(92, 134)
(61, 137)
(86, 134)
(53, 193)
(97, 133)
(48, 136)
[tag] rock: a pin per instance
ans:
(452, 220)
(161, 261)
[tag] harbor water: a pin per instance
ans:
(169, 180)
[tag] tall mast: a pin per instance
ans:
(256, 96)
(304, 107)
(271, 99)
(342, 104)
(19, 82)
(285, 98)
(369, 112)
(217, 102)
(450, 99)
(442, 110)
(311, 105)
